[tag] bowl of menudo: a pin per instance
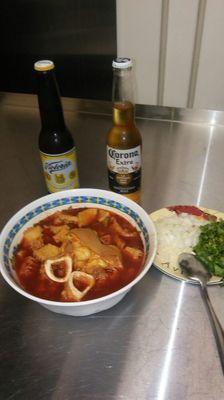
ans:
(77, 252)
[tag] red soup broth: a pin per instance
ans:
(111, 229)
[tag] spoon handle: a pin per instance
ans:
(217, 328)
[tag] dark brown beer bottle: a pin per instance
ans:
(56, 144)
(124, 140)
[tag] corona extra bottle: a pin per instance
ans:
(124, 140)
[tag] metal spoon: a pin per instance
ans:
(195, 271)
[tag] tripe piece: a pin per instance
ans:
(33, 237)
(46, 252)
(86, 217)
(133, 253)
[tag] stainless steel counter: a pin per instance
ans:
(157, 343)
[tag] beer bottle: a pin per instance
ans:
(56, 145)
(124, 140)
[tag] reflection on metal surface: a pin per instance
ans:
(184, 115)
(214, 118)
(168, 358)
(205, 165)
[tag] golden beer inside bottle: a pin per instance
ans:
(123, 113)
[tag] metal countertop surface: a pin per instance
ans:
(157, 343)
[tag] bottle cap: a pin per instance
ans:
(122, 63)
(43, 65)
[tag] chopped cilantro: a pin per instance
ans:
(210, 247)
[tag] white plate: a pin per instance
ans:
(174, 270)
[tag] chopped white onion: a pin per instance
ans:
(177, 234)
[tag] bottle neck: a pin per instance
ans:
(50, 107)
(123, 113)
(122, 96)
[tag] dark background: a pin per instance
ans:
(78, 35)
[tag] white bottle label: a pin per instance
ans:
(124, 161)
(124, 169)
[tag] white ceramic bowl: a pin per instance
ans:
(39, 209)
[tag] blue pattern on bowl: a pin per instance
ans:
(67, 201)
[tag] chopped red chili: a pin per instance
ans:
(192, 210)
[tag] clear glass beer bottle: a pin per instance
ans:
(56, 144)
(124, 140)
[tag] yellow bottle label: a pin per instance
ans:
(60, 171)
